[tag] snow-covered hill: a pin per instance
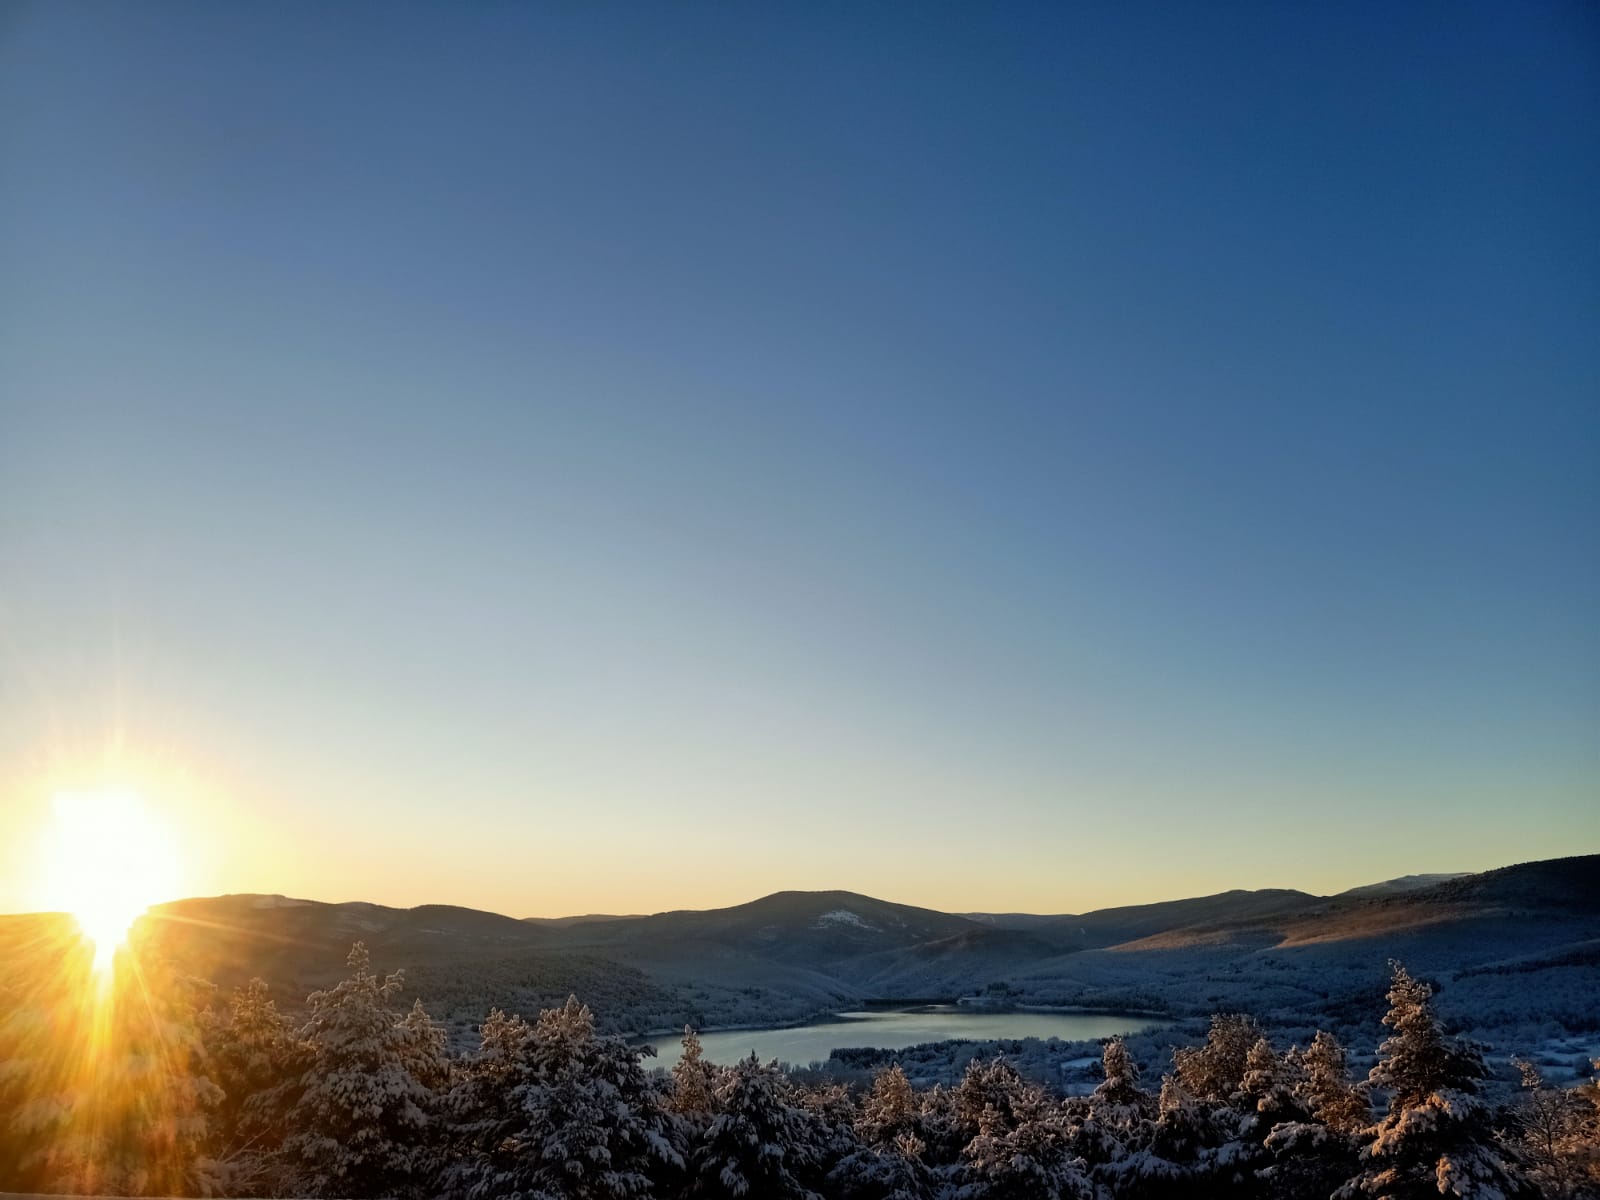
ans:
(1515, 945)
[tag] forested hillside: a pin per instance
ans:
(167, 1086)
(216, 1070)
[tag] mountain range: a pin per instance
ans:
(792, 954)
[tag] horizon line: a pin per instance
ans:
(819, 892)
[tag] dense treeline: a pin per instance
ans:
(165, 1088)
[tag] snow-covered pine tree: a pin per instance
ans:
(1200, 1140)
(1118, 1096)
(126, 1102)
(553, 1109)
(1194, 1149)
(1168, 1163)
(1024, 1152)
(476, 1107)
(1269, 1084)
(425, 1051)
(1313, 1153)
(895, 1170)
(1214, 1071)
(990, 1097)
(760, 1144)
(939, 1127)
(258, 1062)
(833, 1113)
(1549, 1122)
(502, 1043)
(362, 1117)
(693, 1078)
(1326, 1087)
(37, 1087)
(889, 1109)
(891, 1163)
(1117, 1117)
(1582, 1149)
(1437, 1136)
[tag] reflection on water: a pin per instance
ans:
(896, 1029)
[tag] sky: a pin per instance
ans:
(569, 458)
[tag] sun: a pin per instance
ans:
(106, 858)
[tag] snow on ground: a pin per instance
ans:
(842, 916)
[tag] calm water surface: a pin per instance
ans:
(894, 1030)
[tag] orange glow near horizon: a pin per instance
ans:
(105, 858)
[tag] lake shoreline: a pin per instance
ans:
(814, 1040)
(855, 1016)
(820, 1019)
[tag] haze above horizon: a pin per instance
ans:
(1031, 458)
(781, 894)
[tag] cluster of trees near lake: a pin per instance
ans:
(171, 1089)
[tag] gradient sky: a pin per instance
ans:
(600, 457)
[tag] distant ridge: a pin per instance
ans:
(793, 954)
(1405, 883)
(583, 919)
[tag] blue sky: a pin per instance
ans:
(604, 457)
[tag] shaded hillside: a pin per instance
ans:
(1540, 892)
(1405, 883)
(964, 963)
(1519, 941)
(297, 944)
(816, 929)
(1114, 926)
(1555, 888)
(1569, 885)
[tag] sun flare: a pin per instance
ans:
(105, 860)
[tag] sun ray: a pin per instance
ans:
(105, 859)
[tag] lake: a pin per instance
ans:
(895, 1029)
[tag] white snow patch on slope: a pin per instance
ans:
(841, 916)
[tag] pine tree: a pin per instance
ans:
(894, 1170)
(990, 1096)
(476, 1107)
(1120, 1089)
(833, 1114)
(759, 1144)
(1269, 1084)
(938, 1125)
(1549, 1124)
(362, 1117)
(1175, 1158)
(553, 1109)
(122, 1098)
(1313, 1152)
(38, 1077)
(1215, 1071)
(1118, 1116)
(693, 1078)
(258, 1062)
(1023, 1151)
(1437, 1135)
(1326, 1088)
(424, 1049)
(890, 1109)
(503, 1042)
(1582, 1148)
(1262, 1072)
